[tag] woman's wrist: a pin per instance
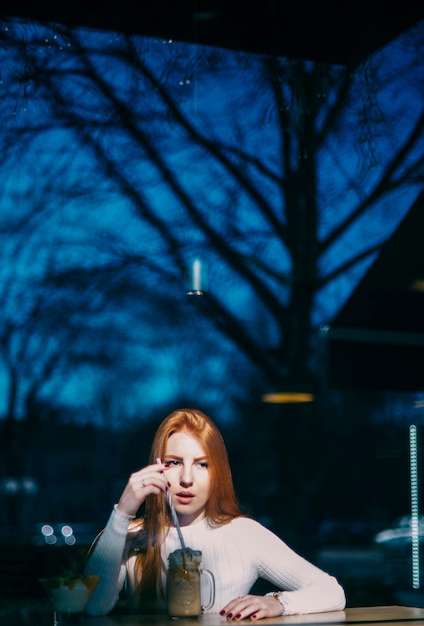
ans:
(277, 595)
(121, 512)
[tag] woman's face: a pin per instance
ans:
(188, 475)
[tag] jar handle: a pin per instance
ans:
(211, 586)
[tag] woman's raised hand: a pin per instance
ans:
(149, 480)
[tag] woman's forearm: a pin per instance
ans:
(106, 561)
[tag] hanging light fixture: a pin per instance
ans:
(197, 279)
(288, 397)
(289, 393)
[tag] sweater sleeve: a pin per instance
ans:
(306, 588)
(320, 596)
(107, 562)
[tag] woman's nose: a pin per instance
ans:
(186, 478)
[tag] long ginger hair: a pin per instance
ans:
(221, 508)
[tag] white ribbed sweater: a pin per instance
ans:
(237, 554)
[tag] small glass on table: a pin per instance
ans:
(68, 597)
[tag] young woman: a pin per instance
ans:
(188, 458)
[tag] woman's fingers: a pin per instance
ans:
(149, 480)
(152, 475)
(255, 607)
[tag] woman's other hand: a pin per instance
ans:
(147, 481)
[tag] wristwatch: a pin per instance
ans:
(277, 595)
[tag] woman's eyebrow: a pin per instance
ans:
(181, 458)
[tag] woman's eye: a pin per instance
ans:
(176, 463)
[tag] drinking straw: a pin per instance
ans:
(174, 515)
(175, 520)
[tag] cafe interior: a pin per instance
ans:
(384, 317)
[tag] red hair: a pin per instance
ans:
(222, 505)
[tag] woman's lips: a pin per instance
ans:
(184, 497)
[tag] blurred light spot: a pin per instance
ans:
(70, 540)
(418, 285)
(66, 531)
(10, 485)
(50, 539)
(29, 485)
(47, 530)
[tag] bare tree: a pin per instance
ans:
(246, 179)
